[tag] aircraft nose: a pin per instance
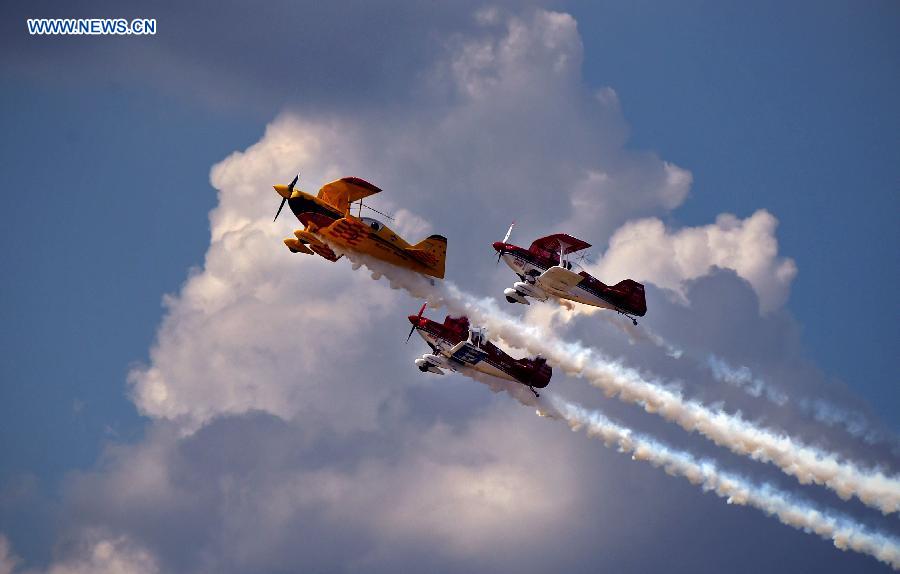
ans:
(282, 190)
(498, 245)
(414, 319)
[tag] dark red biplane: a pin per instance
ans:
(545, 271)
(457, 346)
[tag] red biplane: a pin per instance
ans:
(457, 346)
(544, 271)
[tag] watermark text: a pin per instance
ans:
(91, 26)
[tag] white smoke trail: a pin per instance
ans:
(565, 311)
(853, 422)
(744, 379)
(844, 532)
(807, 464)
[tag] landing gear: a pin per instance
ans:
(423, 369)
(633, 320)
(536, 395)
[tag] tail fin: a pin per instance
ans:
(432, 252)
(632, 294)
(539, 371)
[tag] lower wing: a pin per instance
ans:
(558, 279)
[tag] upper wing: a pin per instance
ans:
(342, 192)
(553, 244)
(558, 279)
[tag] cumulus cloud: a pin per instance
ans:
(288, 425)
(8, 560)
(646, 251)
(93, 553)
(256, 493)
(109, 556)
(245, 334)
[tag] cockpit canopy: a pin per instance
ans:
(373, 224)
(478, 336)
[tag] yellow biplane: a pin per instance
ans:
(328, 222)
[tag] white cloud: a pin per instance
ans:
(8, 560)
(645, 250)
(94, 553)
(107, 556)
(471, 490)
(509, 131)
(258, 328)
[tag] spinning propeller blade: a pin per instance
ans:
(505, 239)
(508, 232)
(413, 330)
(284, 199)
(277, 213)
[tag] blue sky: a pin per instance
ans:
(791, 107)
(108, 153)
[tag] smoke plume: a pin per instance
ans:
(806, 463)
(844, 532)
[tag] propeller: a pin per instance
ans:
(413, 330)
(508, 232)
(505, 239)
(290, 190)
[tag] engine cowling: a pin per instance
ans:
(530, 290)
(514, 296)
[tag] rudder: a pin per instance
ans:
(435, 247)
(633, 293)
(539, 372)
